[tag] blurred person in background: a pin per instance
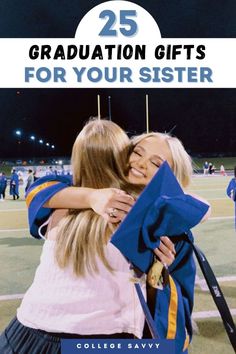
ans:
(3, 186)
(14, 185)
(30, 179)
(231, 189)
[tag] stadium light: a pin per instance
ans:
(18, 132)
(32, 137)
(47, 144)
(53, 146)
(40, 141)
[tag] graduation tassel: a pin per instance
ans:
(109, 107)
(147, 115)
(99, 111)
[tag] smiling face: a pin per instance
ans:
(147, 157)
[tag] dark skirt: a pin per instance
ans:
(19, 339)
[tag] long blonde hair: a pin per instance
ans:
(99, 160)
(182, 163)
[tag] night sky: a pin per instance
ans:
(204, 118)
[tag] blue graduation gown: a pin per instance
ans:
(14, 184)
(38, 194)
(3, 183)
(163, 209)
(231, 187)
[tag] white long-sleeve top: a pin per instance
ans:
(103, 303)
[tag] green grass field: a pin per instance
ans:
(19, 256)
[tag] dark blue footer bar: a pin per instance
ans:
(115, 346)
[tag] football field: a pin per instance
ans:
(20, 253)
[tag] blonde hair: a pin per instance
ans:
(99, 160)
(182, 163)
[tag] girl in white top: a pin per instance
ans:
(60, 301)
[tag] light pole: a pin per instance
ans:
(41, 148)
(18, 134)
(32, 138)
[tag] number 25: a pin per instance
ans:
(124, 21)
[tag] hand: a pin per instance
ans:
(166, 251)
(111, 203)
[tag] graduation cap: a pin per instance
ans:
(161, 209)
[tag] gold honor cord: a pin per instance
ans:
(172, 313)
(147, 115)
(99, 109)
